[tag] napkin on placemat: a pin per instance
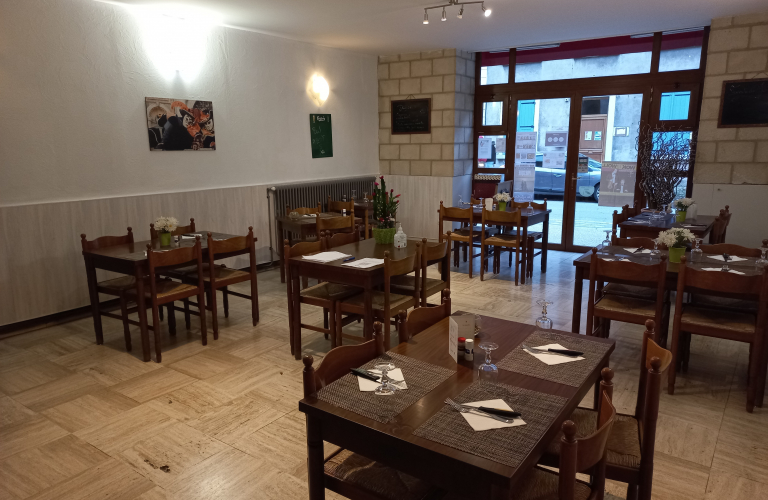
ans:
(731, 258)
(190, 236)
(325, 256)
(394, 375)
(633, 250)
(364, 263)
(309, 215)
(718, 269)
(623, 259)
(553, 359)
(481, 423)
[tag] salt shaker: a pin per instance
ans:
(469, 350)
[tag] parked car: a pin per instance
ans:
(552, 180)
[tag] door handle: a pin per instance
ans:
(558, 175)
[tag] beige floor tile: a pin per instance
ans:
(282, 444)
(282, 391)
(676, 479)
(152, 384)
(125, 430)
(252, 346)
(244, 378)
(57, 392)
(206, 364)
(12, 413)
(165, 456)
(14, 358)
(86, 358)
(61, 347)
(685, 440)
(190, 402)
(724, 485)
(156, 493)
(236, 420)
(31, 375)
(34, 470)
(28, 434)
(90, 409)
(119, 368)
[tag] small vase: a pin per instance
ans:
(165, 239)
(680, 215)
(502, 206)
(385, 236)
(675, 253)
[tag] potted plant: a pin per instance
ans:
(384, 211)
(676, 240)
(502, 199)
(682, 208)
(166, 226)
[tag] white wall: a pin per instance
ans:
(747, 203)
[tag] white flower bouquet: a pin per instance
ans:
(675, 238)
(503, 196)
(166, 224)
(683, 203)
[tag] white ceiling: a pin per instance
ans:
(395, 26)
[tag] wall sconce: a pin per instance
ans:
(319, 89)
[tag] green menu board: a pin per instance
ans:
(320, 132)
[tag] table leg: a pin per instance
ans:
(578, 285)
(280, 250)
(296, 303)
(142, 312)
(315, 459)
(544, 244)
(524, 242)
(368, 317)
(90, 272)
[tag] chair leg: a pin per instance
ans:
(517, 264)
(632, 491)
(339, 324)
(156, 331)
(482, 265)
(126, 326)
(471, 261)
(331, 323)
(225, 301)
(203, 322)
(171, 319)
(214, 313)
(254, 300)
(465, 250)
(325, 323)
(673, 365)
(161, 315)
(686, 352)
(755, 365)
(455, 254)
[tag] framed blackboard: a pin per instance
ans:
(744, 103)
(411, 116)
(321, 135)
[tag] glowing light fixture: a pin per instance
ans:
(320, 89)
(443, 18)
(487, 12)
(426, 17)
(461, 12)
(451, 3)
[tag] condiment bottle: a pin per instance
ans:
(469, 350)
(461, 345)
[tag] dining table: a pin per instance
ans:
(645, 225)
(477, 464)
(582, 265)
(131, 259)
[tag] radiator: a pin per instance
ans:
(307, 194)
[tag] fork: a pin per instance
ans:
(462, 409)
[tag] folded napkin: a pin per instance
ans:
(623, 259)
(364, 263)
(369, 385)
(190, 236)
(633, 250)
(731, 258)
(718, 269)
(480, 423)
(554, 359)
(325, 256)
(309, 215)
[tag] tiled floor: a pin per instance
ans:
(79, 420)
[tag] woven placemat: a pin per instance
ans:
(421, 378)
(509, 445)
(573, 373)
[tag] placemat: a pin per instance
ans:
(572, 374)
(420, 376)
(509, 445)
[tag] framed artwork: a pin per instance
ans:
(180, 125)
(744, 103)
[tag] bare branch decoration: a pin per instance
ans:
(664, 158)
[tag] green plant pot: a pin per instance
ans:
(680, 215)
(502, 206)
(384, 236)
(165, 239)
(675, 254)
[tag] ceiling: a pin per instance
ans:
(395, 26)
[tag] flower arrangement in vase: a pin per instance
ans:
(682, 208)
(502, 199)
(676, 240)
(166, 226)
(385, 204)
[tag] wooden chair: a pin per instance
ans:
(339, 239)
(153, 234)
(607, 307)
(333, 225)
(386, 304)
(642, 292)
(349, 474)
(741, 326)
(468, 235)
(418, 320)
(618, 218)
(631, 444)
(304, 210)
(430, 254)
(338, 206)
(165, 291)
(725, 214)
(533, 236)
(222, 277)
(116, 287)
(731, 249)
(501, 240)
(635, 242)
(324, 295)
(717, 235)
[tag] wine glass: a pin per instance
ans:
(607, 240)
(697, 255)
(354, 194)
(655, 252)
(487, 366)
(543, 322)
(478, 324)
(529, 209)
(365, 195)
(762, 262)
(386, 388)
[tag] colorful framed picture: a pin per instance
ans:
(180, 125)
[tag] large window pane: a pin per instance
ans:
(493, 113)
(492, 151)
(494, 67)
(681, 50)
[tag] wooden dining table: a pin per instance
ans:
(131, 259)
(394, 444)
(643, 226)
(582, 265)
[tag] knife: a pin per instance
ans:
(496, 411)
(640, 250)
(562, 352)
(365, 374)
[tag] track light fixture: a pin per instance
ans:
(486, 11)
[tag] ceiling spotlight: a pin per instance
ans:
(487, 12)
(443, 18)
(426, 18)
(461, 12)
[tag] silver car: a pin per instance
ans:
(552, 180)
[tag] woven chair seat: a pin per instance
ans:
(638, 292)
(189, 269)
(395, 300)
(710, 301)
(329, 291)
(164, 288)
(718, 318)
(408, 282)
(377, 479)
(536, 235)
(502, 240)
(117, 285)
(221, 273)
(623, 447)
(631, 305)
(539, 484)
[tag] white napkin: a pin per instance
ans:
(369, 385)
(364, 263)
(718, 269)
(623, 259)
(554, 359)
(185, 237)
(325, 256)
(731, 258)
(633, 250)
(481, 423)
(309, 215)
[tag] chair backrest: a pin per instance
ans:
(587, 453)
(630, 212)
(421, 318)
(524, 204)
(431, 254)
(718, 230)
(338, 206)
(338, 239)
(691, 280)
(336, 224)
(636, 242)
(171, 258)
(496, 216)
(406, 265)
(730, 249)
(339, 361)
(221, 249)
(106, 241)
(618, 218)
(304, 210)
(726, 214)
(302, 248)
(464, 214)
(153, 234)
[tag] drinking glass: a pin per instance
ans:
(478, 324)
(354, 194)
(762, 262)
(386, 388)
(543, 322)
(607, 240)
(461, 202)
(365, 195)
(529, 209)
(697, 255)
(343, 197)
(487, 366)
(655, 252)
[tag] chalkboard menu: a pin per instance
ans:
(744, 103)
(411, 116)
(321, 135)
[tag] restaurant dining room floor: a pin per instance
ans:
(80, 420)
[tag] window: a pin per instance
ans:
(526, 116)
(494, 67)
(493, 113)
(492, 151)
(674, 105)
(681, 49)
